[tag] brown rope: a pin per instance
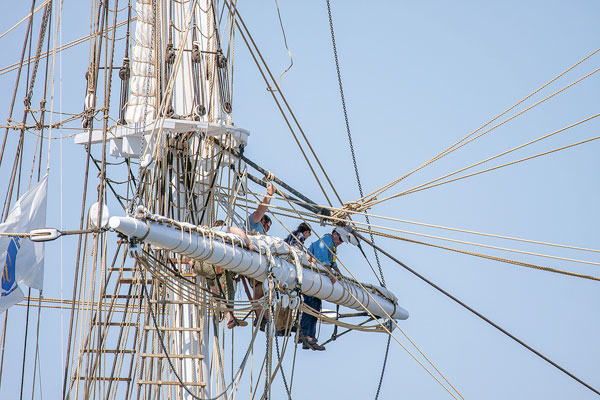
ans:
(489, 257)
(483, 317)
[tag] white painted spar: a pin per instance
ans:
(255, 265)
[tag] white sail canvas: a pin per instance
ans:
(23, 259)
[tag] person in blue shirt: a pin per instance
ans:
(297, 237)
(258, 222)
(324, 251)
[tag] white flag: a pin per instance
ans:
(23, 259)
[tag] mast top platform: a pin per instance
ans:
(126, 140)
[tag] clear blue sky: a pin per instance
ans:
(418, 76)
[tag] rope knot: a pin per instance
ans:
(353, 205)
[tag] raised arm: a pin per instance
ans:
(264, 205)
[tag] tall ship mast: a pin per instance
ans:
(178, 123)
(145, 313)
(169, 285)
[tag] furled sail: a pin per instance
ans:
(142, 97)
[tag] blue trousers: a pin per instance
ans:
(308, 323)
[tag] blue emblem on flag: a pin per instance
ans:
(9, 283)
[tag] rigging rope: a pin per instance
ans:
(509, 261)
(494, 258)
(322, 317)
(286, 45)
(12, 67)
(514, 262)
(36, 359)
(98, 29)
(25, 18)
(287, 389)
(287, 333)
(30, 81)
(164, 348)
(478, 314)
(482, 233)
(25, 343)
(460, 143)
(545, 153)
(479, 245)
(431, 184)
(250, 43)
(269, 330)
(306, 218)
(300, 214)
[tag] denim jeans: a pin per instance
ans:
(308, 323)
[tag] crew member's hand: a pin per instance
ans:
(332, 276)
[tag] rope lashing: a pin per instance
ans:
(350, 207)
